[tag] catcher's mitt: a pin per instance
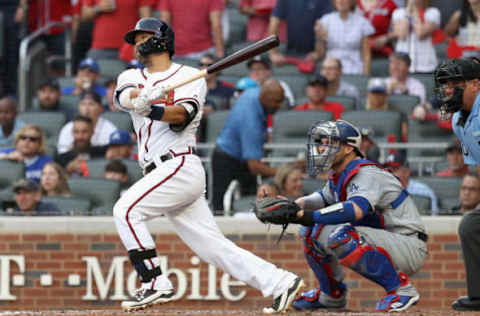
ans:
(276, 211)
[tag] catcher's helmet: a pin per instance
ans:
(163, 39)
(454, 71)
(329, 135)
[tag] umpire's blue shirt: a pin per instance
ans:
(244, 132)
(469, 134)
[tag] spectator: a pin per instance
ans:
(260, 68)
(469, 233)
(267, 189)
(86, 79)
(332, 70)
(116, 170)
(219, 92)
(464, 27)
(398, 164)
(368, 147)
(8, 121)
(239, 149)
(75, 159)
(379, 13)
(90, 105)
(258, 13)
(413, 27)
(456, 165)
(377, 98)
(106, 13)
(289, 181)
(53, 181)
(30, 150)
(194, 39)
(399, 81)
(28, 202)
(110, 85)
(49, 98)
(120, 146)
(300, 16)
(344, 35)
(316, 91)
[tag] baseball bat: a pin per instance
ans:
(245, 53)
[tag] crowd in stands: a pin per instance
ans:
(339, 58)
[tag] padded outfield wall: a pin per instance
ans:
(79, 262)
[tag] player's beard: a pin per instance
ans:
(144, 60)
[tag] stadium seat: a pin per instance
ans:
(383, 123)
(70, 102)
(111, 68)
(96, 168)
(403, 103)
(447, 190)
(293, 127)
(441, 51)
(101, 193)
(215, 122)
(311, 185)
(428, 82)
(10, 172)
(423, 204)
(297, 83)
(50, 122)
(347, 102)
(286, 70)
(66, 82)
(425, 132)
(121, 120)
(359, 81)
(379, 67)
(70, 205)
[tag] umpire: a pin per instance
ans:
(239, 148)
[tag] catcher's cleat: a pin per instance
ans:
(401, 299)
(145, 298)
(316, 299)
(283, 302)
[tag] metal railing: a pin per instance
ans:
(24, 80)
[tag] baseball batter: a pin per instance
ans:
(174, 181)
(362, 219)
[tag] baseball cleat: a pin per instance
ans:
(283, 302)
(396, 303)
(316, 299)
(145, 298)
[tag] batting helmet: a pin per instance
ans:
(329, 136)
(163, 39)
(455, 71)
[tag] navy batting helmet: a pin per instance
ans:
(163, 39)
(329, 135)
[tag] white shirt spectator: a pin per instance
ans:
(288, 93)
(349, 90)
(414, 87)
(422, 52)
(415, 187)
(345, 38)
(101, 135)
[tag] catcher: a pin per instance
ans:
(362, 219)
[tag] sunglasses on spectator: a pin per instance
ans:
(30, 138)
(205, 64)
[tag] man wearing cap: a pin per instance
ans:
(9, 124)
(399, 82)
(27, 195)
(48, 98)
(90, 106)
(316, 91)
(368, 147)
(120, 146)
(398, 164)
(456, 165)
(74, 160)
(87, 75)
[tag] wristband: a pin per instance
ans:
(157, 113)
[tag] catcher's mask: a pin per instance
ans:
(450, 79)
(324, 142)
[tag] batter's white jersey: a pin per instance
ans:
(155, 138)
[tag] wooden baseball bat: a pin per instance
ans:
(245, 53)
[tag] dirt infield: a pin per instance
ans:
(173, 312)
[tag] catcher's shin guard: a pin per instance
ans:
(374, 263)
(138, 259)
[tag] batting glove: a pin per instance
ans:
(141, 105)
(157, 93)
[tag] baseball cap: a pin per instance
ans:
(377, 85)
(402, 56)
(49, 83)
(92, 95)
(398, 159)
(318, 80)
(470, 68)
(454, 146)
(367, 131)
(120, 137)
(246, 83)
(89, 63)
(263, 59)
(27, 185)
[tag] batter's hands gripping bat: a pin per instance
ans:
(248, 52)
